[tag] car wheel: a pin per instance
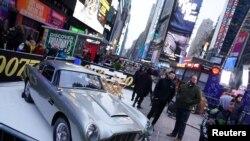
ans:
(61, 130)
(26, 93)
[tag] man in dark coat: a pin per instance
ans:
(144, 86)
(163, 93)
(15, 38)
(136, 75)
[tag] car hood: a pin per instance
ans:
(107, 110)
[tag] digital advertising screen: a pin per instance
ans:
(181, 27)
(92, 13)
(230, 63)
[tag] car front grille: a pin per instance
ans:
(123, 137)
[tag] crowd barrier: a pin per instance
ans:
(125, 79)
(12, 65)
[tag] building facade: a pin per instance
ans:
(153, 24)
(198, 43)
(228, 27)
(139, 45)
(122, 17)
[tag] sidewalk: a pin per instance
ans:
(165, 124)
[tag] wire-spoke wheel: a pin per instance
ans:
(61, 130)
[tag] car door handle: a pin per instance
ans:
(51, 101)
(59, 90)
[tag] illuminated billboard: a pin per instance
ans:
(92, 12)
(230, 63)
(181, 27)
(38, 11)
(238, 44)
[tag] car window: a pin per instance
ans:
(48, 72)
(72, 79)
(56, 78)
(40, 66)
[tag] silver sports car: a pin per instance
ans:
(73, 100)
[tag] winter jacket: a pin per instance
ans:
(188, 96)
(164, 90)
(238, 108)
(216, 116)
(136, 75)
(144, 84)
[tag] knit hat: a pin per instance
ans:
(171, 72)
(225, 100)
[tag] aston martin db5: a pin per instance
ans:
(75, 103)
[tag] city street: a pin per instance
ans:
(24, 117)
(165, 124)
(127, 43)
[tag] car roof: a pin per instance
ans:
(64, 65)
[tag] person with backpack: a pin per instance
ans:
(218, 116)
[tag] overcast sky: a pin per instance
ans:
(140, 12)
(210, 9)
(139, 16)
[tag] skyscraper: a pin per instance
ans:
(228, 26)
(199, 41)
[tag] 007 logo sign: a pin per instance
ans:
(14, 66)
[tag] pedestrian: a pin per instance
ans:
(227, 92)
(220, 115)
(97, 57)
(63, 53)
(144, 86)
(26, 47)
(238, 108)
(88, 56)
(155, 79)
(136, 75)
(188, 96)
(39, 49)
(163, 93)
(32, 45)
(15, 38)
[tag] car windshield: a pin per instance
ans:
(72, 79)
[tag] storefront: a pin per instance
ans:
(33, 14)
(77, 44)
(82, 46)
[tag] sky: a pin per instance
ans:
(209, 10)
(140, 13)
(140, 10)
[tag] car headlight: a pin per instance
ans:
(92, 132)
(149, 128)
